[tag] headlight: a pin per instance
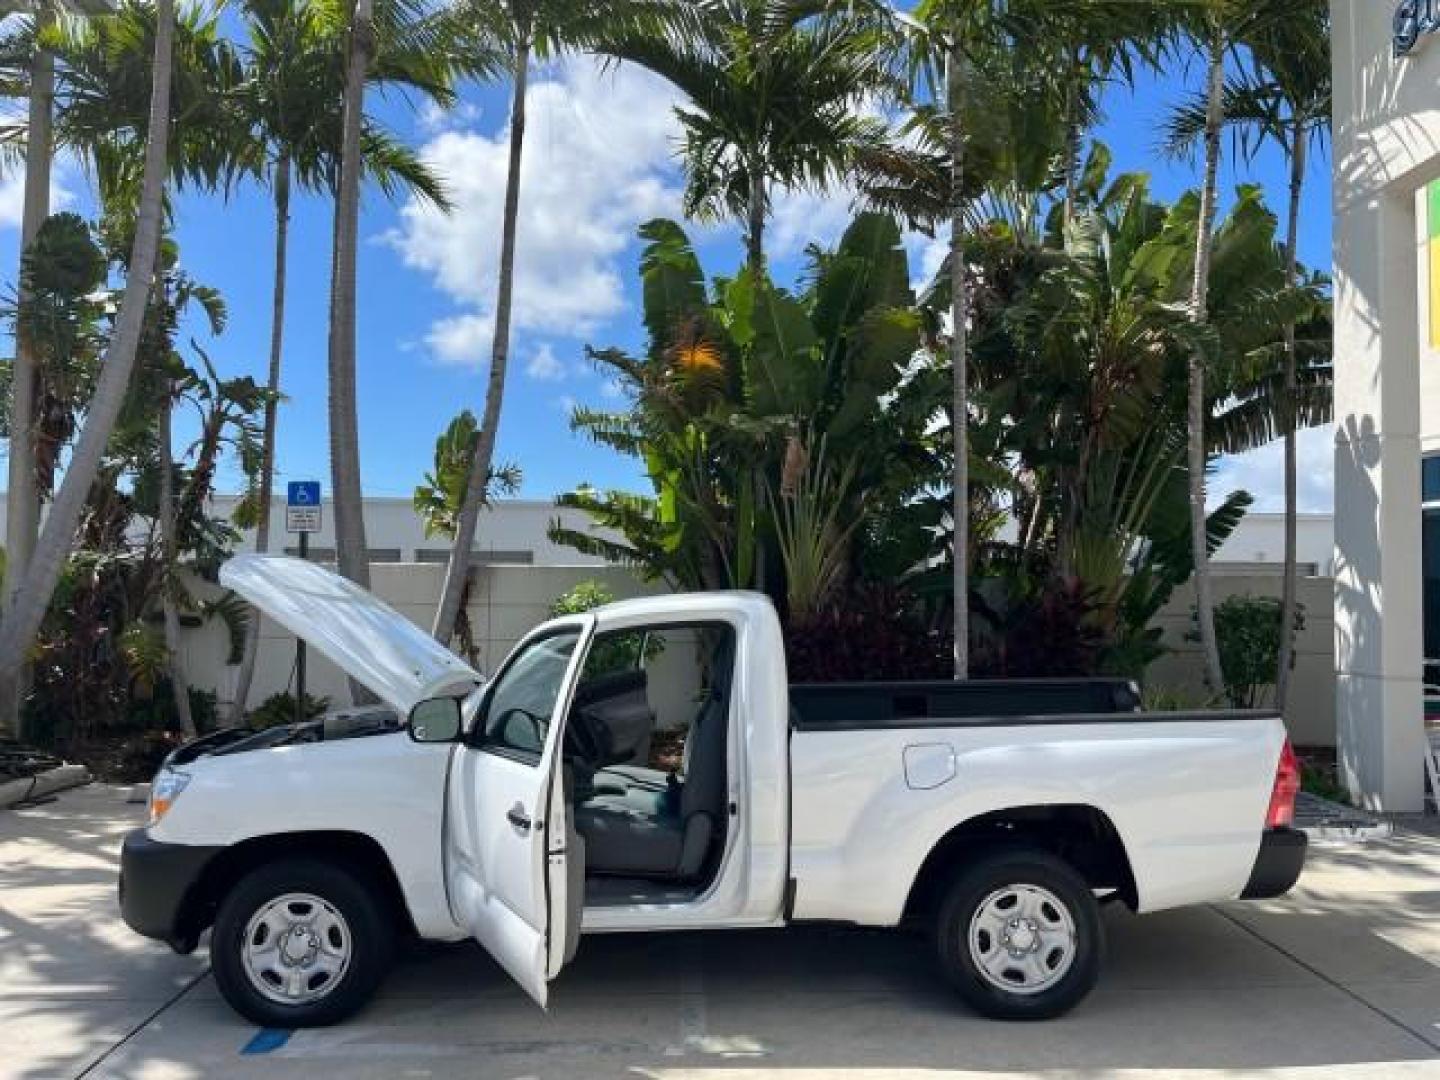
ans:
(165, 789)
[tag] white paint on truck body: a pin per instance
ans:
(834, 812)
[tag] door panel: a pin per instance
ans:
(505, 842)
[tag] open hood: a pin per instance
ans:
(365, 637)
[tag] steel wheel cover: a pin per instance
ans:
(296, 949)
(1022, 939)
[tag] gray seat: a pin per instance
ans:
(640, 829)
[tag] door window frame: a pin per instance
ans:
(475, 736)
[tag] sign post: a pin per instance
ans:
(302, 516)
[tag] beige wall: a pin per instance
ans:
(506, 602)
(1310, 714)
(509, 601)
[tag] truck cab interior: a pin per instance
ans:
(646, 761)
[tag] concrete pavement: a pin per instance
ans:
(1341, 979)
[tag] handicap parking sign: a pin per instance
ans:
(302, 506)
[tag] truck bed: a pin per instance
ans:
(858, 706)
(875, 788)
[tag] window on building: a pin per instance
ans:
(478, 558)
(1261, 568)
(327, 554)
(315, 554)
(1430, 557)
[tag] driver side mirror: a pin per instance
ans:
(435, 721)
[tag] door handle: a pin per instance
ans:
(517, 817)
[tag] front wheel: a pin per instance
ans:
(300, 943)
(1019, 935)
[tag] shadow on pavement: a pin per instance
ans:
(1343, 977)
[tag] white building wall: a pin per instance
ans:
(506, 602)
(1259, 543)
(1386, 146)
(512, 528)
(509, 528)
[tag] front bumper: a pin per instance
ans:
(157, 886)
(1278, 865)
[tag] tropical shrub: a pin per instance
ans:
(1249, 630)
(279, 708)
(741, 385)
(99, 659)
(1055, 631)
(873, 632)
(581, 597)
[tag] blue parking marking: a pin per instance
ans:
(267, 1039)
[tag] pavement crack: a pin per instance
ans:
(1313, 970)
(143, 1024)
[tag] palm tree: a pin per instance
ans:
(775, 90)
(1218, 26)
(290, 104)
(439, 498)
(942, 45)
(179, 685)
(1215, 38)
(103, 101)
(959, 360)
(1095, 42)
(351, 550)
(350, 547)
(524, 30)
(1284, 99)
(22, 500)
(27, 609)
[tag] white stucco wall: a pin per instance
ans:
(510, 528)
(506, 603)
(1386, 146)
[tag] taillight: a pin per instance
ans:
(1287, 786)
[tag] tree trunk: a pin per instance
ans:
(22, 504)
(22, 620)
(959, 333)
(1199, 300)
(457, 571)
(272, 406)
(352, 555)
(1288, 412)
(755, 226)
(169, 570)
(1072, 136)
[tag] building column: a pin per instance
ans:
(1378, 586)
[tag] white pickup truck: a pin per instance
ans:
(647, 767)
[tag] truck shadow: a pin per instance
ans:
(1342, 974)
(1182, 990)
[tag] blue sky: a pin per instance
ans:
(599, 161)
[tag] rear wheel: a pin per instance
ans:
(300, 943)
(1018, 935)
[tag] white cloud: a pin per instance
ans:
(12, 196)
(545, 365)
(462, 339)
(1262, 473)
(434, 119)
(927, 256)
(597, 163)
(801, 218)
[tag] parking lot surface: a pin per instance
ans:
(1340, 979)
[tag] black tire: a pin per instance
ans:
(970, 890)
(366, 916)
